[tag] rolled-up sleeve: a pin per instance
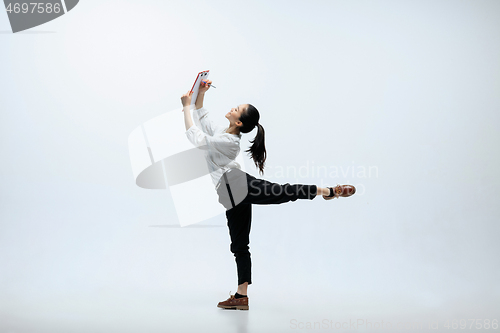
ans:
(201, 119)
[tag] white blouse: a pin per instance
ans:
(221, 148)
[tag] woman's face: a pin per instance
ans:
(234, 115)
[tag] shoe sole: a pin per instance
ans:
(234, 307)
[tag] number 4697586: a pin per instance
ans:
(479, 324)
(40, 7)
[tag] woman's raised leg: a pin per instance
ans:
(264, 192)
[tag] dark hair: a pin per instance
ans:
(250, 118)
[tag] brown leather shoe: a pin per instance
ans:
(341, 191)
(234, 303)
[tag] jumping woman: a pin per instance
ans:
(238, 190)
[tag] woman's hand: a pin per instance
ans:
(204, 86)
(186, 98)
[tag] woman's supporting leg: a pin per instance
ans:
(242, 289)
(239, 220)
(239, 213)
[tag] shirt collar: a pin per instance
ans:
(238, 135)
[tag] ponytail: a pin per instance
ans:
(258, 149)
(250, 119)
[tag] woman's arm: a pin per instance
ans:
(186, 102)
(188, 120)
(204, 86)
(199, 100)
(202, 120)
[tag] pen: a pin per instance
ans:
(209, 84)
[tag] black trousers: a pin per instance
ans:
(237, 192)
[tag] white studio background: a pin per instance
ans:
(408, 90)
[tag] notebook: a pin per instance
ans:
(196, 86)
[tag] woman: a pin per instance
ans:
(238, 190)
